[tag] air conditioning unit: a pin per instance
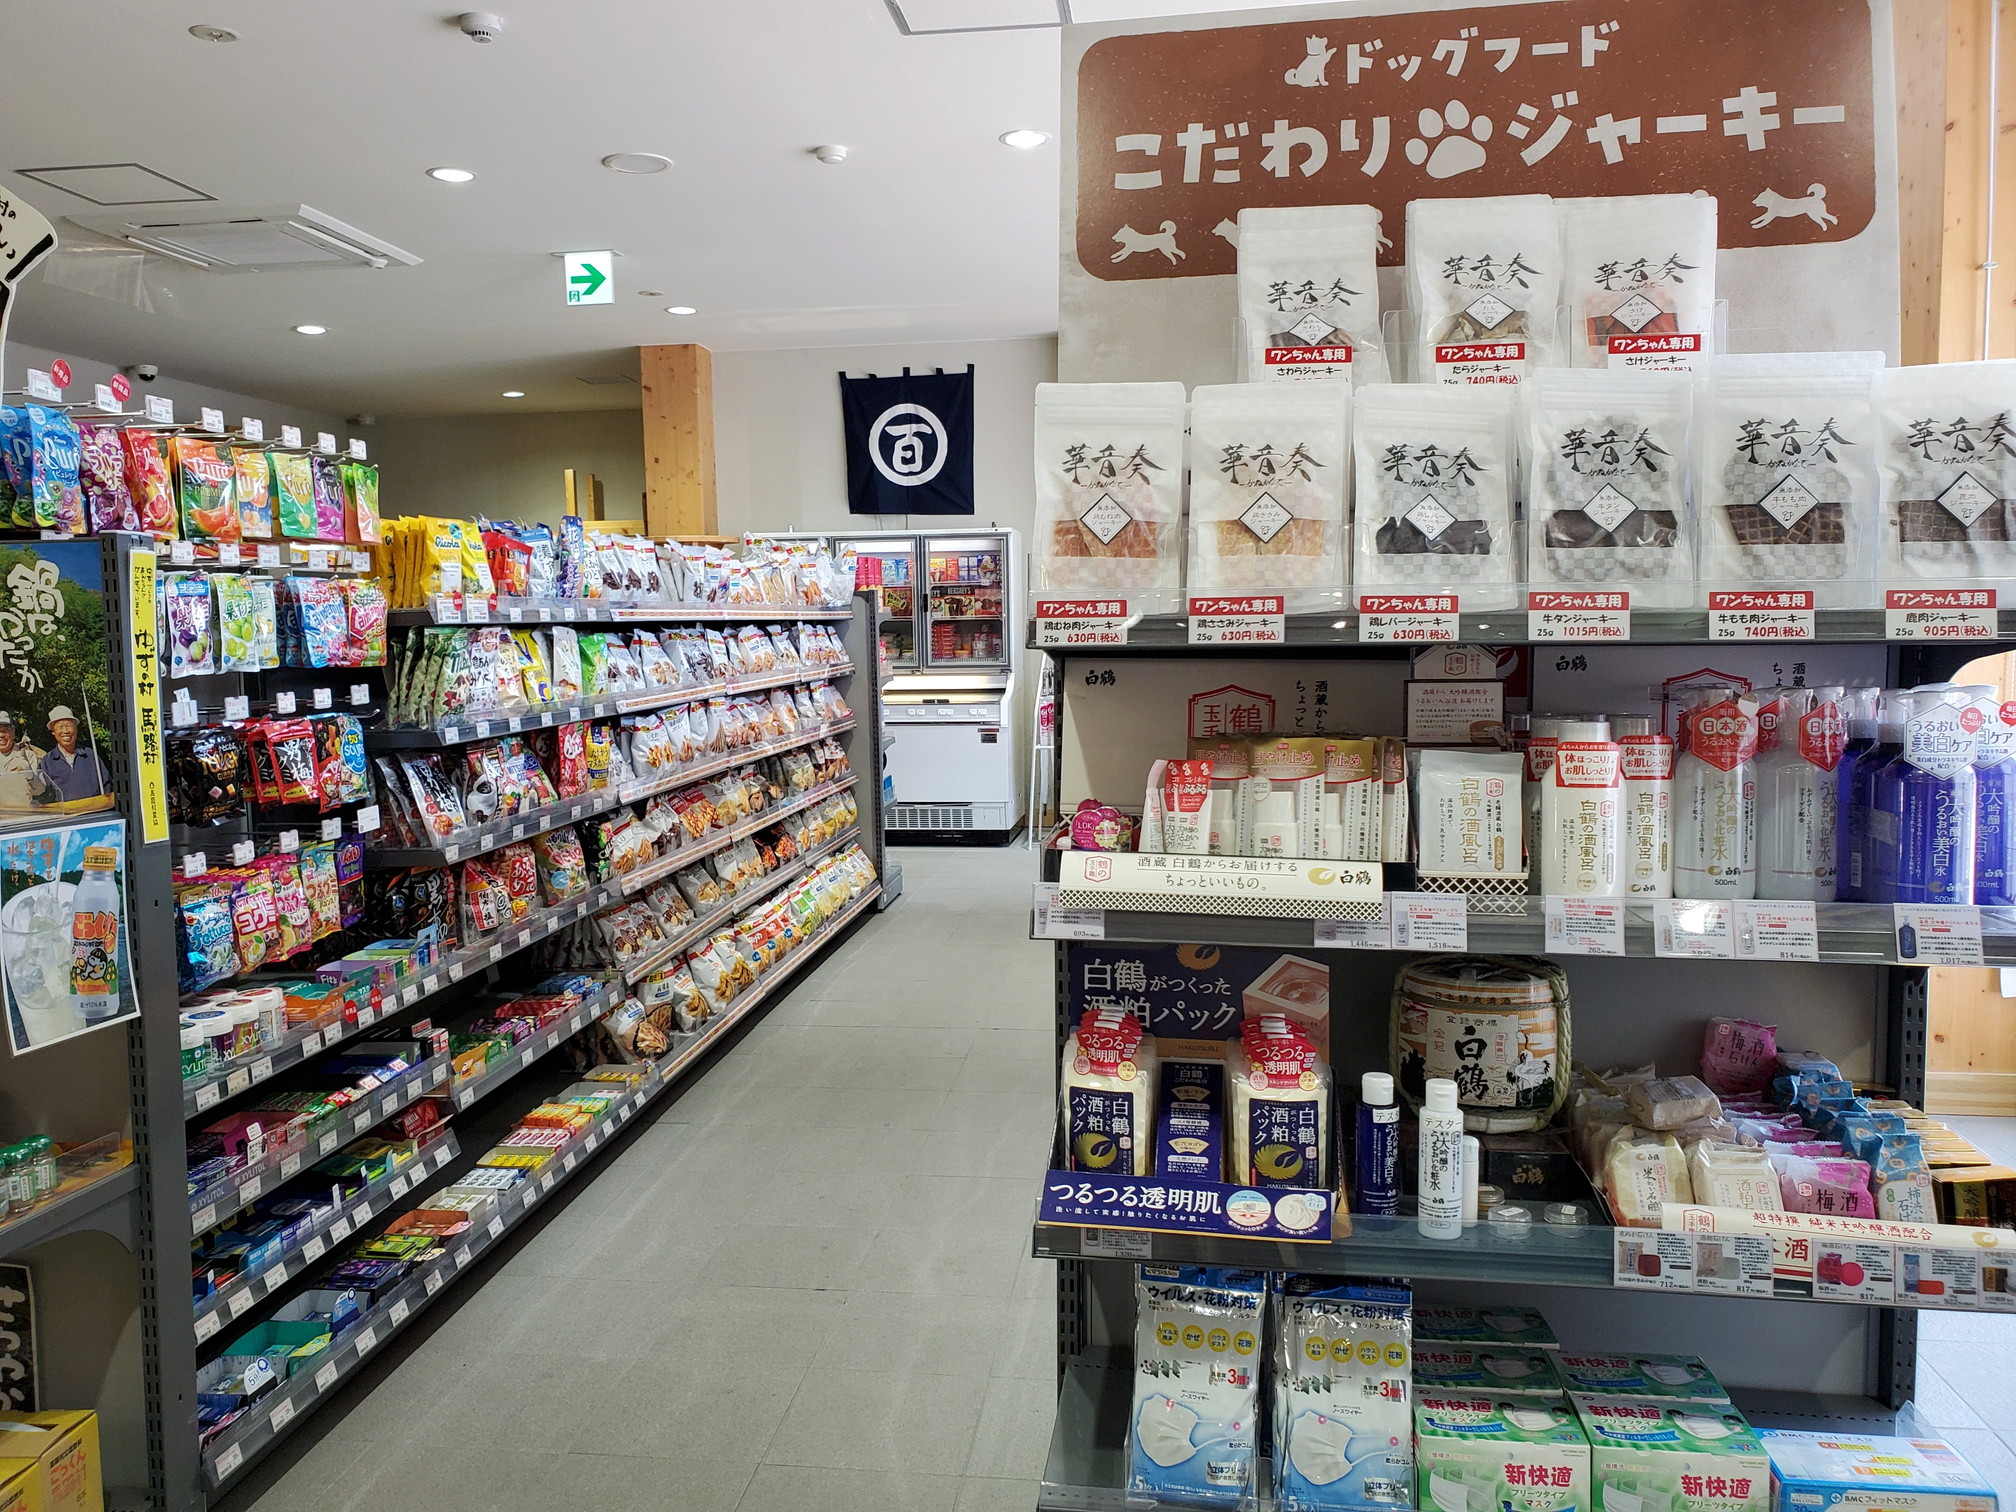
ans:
(224, 240)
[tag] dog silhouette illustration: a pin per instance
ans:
(1229, 229)
(1782, 207)
(1308, 74)
(1132, 241)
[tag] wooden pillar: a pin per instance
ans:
(678, 440)
(1921, 47)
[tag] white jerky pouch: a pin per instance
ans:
(1638, 267)
(1309, 295)
(1109, 493)
(1949, 470)
(1486, 270)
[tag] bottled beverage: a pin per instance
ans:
(1921, 823)
(1994, 799)
(1646, 766)
(1858, 709)
(94, 936)
(1715, 796)
(1797, 796)
(1581, 814)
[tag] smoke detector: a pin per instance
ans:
(224, 240)
(480, 26)
(830, 154)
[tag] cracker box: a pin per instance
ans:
(1852, 1472)
(1494, 1451)
(1653, 1455)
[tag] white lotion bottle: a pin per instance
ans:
(1798, 794)
(1715, 797)
(1646, 764)
(1439, 1177)
(1581, 814)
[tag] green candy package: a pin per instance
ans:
(294, 495)
(594, 663)
(360, 492)
(265, 621)
(16, 454)
(237, 623)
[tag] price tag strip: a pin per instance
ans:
(1407, 618)
(1233, 621)
(1781, 614)
(1585, 926)
(1082, 622)
(1939, 614)
(1578, 616)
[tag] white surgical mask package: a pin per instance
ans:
(1485, 1451)
(1639, 268)
(1269, 475)
(1677, 1377)
(1309, 294)
(1109, 493)
(1197, 1338)
(1858, 1472)
(1606, 476)
(1434, 491)
(1785, 474)
(1485, 271)
(1343, 1430)
(1650, 1454)
(1445, 1368)
(1949, 471)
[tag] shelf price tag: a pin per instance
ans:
(213, 420)
(1410, 618)
(1920, 614)
(282, 1414)
(1779, 614)
(1938, 934)
(1654, 1259)
(42, 388)
(325, 443)
(1777, 932)
(252, 429)
(1693, 929)
(105, 401)
(290, 435)
(1578, 616)
(1429, 921)
(1467, 364)
(1585, 926)
(269, 556)
(1082, 622)
(369, 819)
(160, 409)
(1358, 934)
(1249, 621)
(324, 698)
(1054, 923)
(229, 1461)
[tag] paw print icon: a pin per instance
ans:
(1451, 140)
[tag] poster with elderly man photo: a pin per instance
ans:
(55, 681)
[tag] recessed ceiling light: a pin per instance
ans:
(451, 175)
(636, 162)
(312, 330)
(1025, 138)
(680, 310)
(213, 33)
(514, 393)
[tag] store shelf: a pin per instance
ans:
(707, 845)
(104, 1205)
(461, 733)
(517, 611)
(237, 1296)
(598, 1006)
(1161, 634)
(223, 1199)
(202, 1093)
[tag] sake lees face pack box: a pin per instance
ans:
(1485, 1451)
(1650, 1454)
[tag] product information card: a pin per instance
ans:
(1693, 929)
(1429, 921)
(1777, 932)
(1938, 934)
(1585, 926)
(1054, 923)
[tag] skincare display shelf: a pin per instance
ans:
(444, 609)
(1849, 934)
(538, 821)
(461, 732)
(277, 1414)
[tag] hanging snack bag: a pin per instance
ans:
(1109, 492)
(16, 456)
(1606, 497)
(297, 920)
(1640, 270)
(360, 501)
(1484, 273)
(294, 494)
(192, 640)
(266, 621)
(520, 868)
(101, 473)
(1785, 479)
(207, 772)
(565, 664)
(1434, 492)
(291, 743)
(1269, 470)
(318, 885)
(1309, 294)
(1948, 457)
(326, 489)
(350, 879)
(54, 457)
(147, 480)
(365, 610)
(252, 487)
(563, 870)
(237, 623)
(203, 488)
(206, 936)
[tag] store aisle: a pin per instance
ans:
(806, 1283)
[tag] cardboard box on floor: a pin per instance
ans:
(49, 1462)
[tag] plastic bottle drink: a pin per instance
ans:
(1715, 797)
(1858, 709)
(94, 936)
(1646, 764)
(1543, 731)
(1921, 826)
(1859, 862)
(1582, 814)
(1995, 801)
(1797, 796)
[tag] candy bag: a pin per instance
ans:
(54, 446)
(314, 623)
(435, 798)
(486, 897)
(101, 473)
(350, 879)
(360, 494)
(520, 868)
(203, 488)
(205, 936)
(365, 608)
(237, 623)
(16, 458)
(296, 769)
(593, 654)
(252, 486)
(318, 885)
(354, 779)
(265, 621)
(326, 488)
(255, 915)
(192, 644)
(207, 776)
(597, 743)
(293, 494)
(297, 921)
(563, 870)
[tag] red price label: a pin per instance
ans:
(59, 373)
(1262, 604)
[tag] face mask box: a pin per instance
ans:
(1190, 1121)
(1451, 1369)
(1490, 1325)
(1843, 1472)
(1484, 1451)
(1651, 1455)
(1680, 1378)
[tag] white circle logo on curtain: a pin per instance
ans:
(908, 444)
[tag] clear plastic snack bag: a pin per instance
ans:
(1309, 294)
(1638, 267)
(1486, 270)
(1109, 493)
(1949, 471)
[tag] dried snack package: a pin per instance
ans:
(596, 746)
(350, 879)
(297, 920)
(1109, 493)
(318, 884)
(204, 488)
(208, 776)
(53, 479)
(266, 621)
(1606, 476)
(101, 473)
(434, 796)
(564, 666)
(354, 776)
(1484, 272)
(658, 669)
(1638, 268)
(296, 770)
(294, 494)
(532, 669)
(147, 480)
(192, 640)
(594, 676)
(519, 867)
(1270, 468)
(563, 869)
(16, 457)
(237, 623)
(252, 488)
(1948, 458)
(326, 488)
(1786, 484)
(365, 614)
(360, 503)
(1434, 478)
(598, 842)
(570, 760)
(1309, 294)
(486, 898)
(205, 936)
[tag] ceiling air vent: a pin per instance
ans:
(250, 241)
(113, 184)
(925, 18)
(604, 380)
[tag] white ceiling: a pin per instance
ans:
(931, 230)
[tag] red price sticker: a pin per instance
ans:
(1777, 614)
(1471, 363)
(1231, 620)
(1578, 616)
(1672, 353)
(1939, 614)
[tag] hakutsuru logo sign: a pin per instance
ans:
(908, 444)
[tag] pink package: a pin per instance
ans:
(1838, 1188)
(1738, 1056)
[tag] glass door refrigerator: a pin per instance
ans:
(887, 567)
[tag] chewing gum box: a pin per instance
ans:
(1653, 1455)
(1453, 1368)
(1484, 1451)
(1852, 1472)
(1680, 1378)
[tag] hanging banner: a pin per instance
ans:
(909, 443)
(26, 237)
(148, 757)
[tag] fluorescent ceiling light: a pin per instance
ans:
(514, 393)
(312, 330)
(636, 162)
(680, 310)
(454, 175)
(1025, 138)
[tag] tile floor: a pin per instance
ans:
(745, 1310)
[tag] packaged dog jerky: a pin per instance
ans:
(1485, 271)
(294, 495)
(1309, 294)
(101, 473)
(1638, 266)
(1606, 497)
(192, 639)
(1785, 478)
(1433, 467)
(147, 480)
(252, 486)
(1949, 471)
(1269, 468)
(1109, 493)
(203, 488)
